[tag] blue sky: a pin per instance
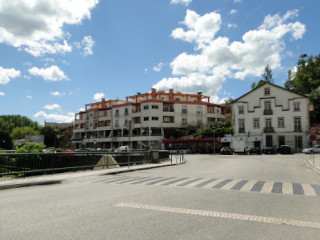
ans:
(56, 55)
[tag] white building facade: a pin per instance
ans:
(142, 120)
(271, 116)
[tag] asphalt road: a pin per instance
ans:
(209, 197)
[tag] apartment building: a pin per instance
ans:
(142, 120)
(271, 116)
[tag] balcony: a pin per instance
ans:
(242, 130)
(268, 130)
(267, 112)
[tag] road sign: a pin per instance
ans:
(312, 138)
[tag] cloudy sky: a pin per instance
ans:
(56, 55)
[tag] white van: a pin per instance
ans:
(123, 149)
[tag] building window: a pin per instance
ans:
(267, 105)
(199, 122)
(199, 110)
(241, 126)
(177, 99)
(256, 123)
(146, 107)
(281, 122)
(298, 142)
(296, 106)
(166, 108)
(184, 110)
(126, 111)
(155, 106)
(267, 91)
(268, 123)
(297, 124)
(241, 109)
(184, 121)
(211, 110)
(117, 123)
(146, 119)
(155, 118)
(117, 113)
(166, 119)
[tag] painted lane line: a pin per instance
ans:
(225, 215)
(221, 184)
(145, 180)
(204, 182)
(185, 181)
(267, 187)
(160, 181)
(308, 190)
(248, 186)
(287, 188)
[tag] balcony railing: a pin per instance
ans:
(242, 130)
(268, 130)
(267, 112)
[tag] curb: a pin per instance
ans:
(20, 185)
(308, 163)
(51, 182)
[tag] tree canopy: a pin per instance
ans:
(266, 77)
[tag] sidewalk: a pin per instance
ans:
(9, 183)
(314, 161)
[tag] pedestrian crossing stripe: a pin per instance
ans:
(312, 190)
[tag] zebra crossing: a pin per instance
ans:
(259, 186)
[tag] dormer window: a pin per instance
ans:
(267, 91)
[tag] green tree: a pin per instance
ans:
(21, 132)
(307, 77)
(5, 140)
(204, 132)
(51, 136)
(266, 77)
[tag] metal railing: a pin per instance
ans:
(25, 164)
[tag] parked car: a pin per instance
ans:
(226, 151)
(285, 149)
(123, 149)
(314, 149)
(268, 150)
(255, 150)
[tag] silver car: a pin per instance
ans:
(314, 149)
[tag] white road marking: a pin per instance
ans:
(308, 190)
(210, 185)
(287, 188)
(267, 187)
(225, 215)
(248, 186)
(229, 185)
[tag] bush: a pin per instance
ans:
(31, 147)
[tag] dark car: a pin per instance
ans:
(255, 150)
(285, 149)
(226, 151)
(268, 150)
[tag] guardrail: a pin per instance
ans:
(23, 164)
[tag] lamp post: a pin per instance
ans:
(214, 138)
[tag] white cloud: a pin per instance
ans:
(88, 43)
(145, 70)
(53, 73)
(201, 29)
(30, 97)
(81, 110)
(55, 117)
(232, 25)
(77, 44)
(158, 67)
(237, 1)
(57, 94)
(98, 96)
(2, 94)
(52, 106)
(7, 73)
(233, 11)
(184, 2)
(37, 26)
(218, 59)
